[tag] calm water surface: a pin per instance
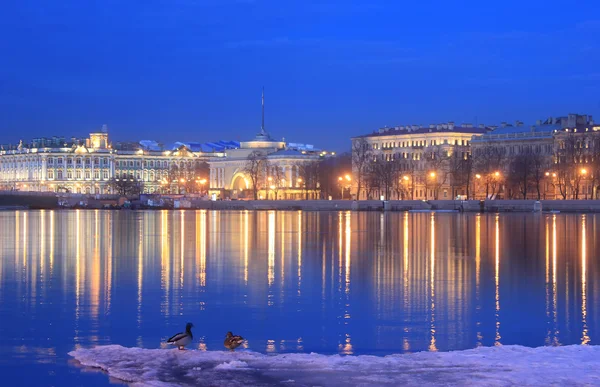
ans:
(348, 283)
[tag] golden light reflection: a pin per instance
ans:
(182, 248)
(282, 253)
(340, 249)
(246, 246)
(432, 342)
(42, 238)
(497, 279)
(585, 338)
(271, 248)
(109, 262)
(478, 277)
(554, 285)
(96, 272)
(547, 286)
(348, 232)
(25, 235)
(405, 261)
(17, 236)
(299, 260)
(201, 247)
(165, 259)
(346, 348)
(52, 233)
(140, 270)
(78, 265)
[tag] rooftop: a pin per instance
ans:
(435, 128)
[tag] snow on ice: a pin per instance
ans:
(496, 366)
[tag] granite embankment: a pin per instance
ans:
(406, 205)
(49, 200)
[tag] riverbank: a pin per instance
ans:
(406, 205)
(49, 201)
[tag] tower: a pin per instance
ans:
(262, 126)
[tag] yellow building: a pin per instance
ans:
(87, 166)
(415, 160)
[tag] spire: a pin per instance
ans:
(262, 126)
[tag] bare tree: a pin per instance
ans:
(569, 158)
(126, 186)
(437, 164)
(276, 179)
(385, 173)
(255, 168)
(489, 162)
(540, 166)
(362, 156)
(459, 171)
(521, 173)
(310, 173)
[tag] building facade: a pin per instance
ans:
(413, 162)
(265, 168)
(90, 166)
(557, 156)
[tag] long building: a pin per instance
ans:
(413, 156)
(567, 148)
(89, 165)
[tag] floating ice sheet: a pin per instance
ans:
(496, 366)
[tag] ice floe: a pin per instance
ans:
(496, 366)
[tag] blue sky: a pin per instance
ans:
(193, 70)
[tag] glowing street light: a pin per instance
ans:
(496, 173)
(432, 174)
(478, 176)
(348, 177)
(405, 178)
(583, 171)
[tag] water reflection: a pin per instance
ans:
(342, 282)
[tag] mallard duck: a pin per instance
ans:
(183, 338)
(232, 341)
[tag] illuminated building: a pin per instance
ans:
(88, 165)
(411, 150)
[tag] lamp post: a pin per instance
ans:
(583, 173)
(432, 175)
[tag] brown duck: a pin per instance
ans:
(232, 341)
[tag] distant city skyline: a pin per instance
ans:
(194, 71)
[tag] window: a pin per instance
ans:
(78, 174)
(96, 161)
(78, 161)
(51, 161)
(131, 163)
(59, 174)
(60, 161)
(87, 175)
(69, 161)
(87, 161)
(69, 175)
(96, 175)
(50, 174)
(105, 175)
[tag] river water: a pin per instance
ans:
(330, 282)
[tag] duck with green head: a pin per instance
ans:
(183, 338)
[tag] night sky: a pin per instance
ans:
(193, 70)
